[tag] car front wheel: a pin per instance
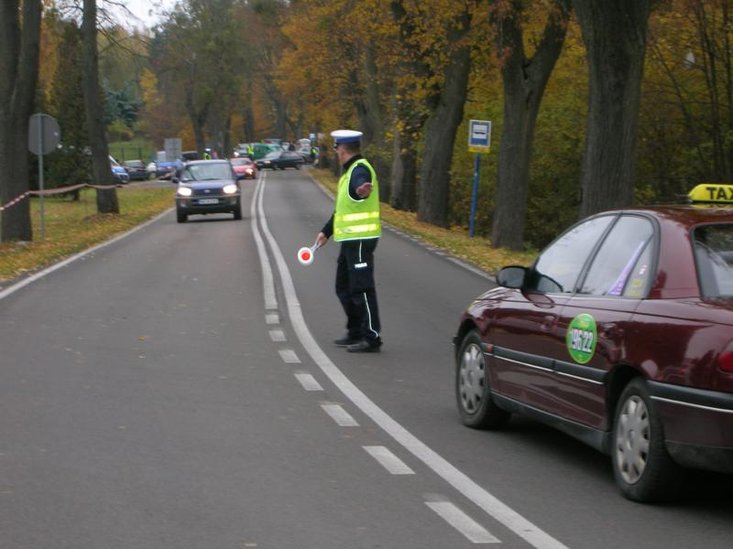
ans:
(181, 217)
(641, 465)
(473, 393)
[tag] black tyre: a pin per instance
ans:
(473, 393)
(643, 469)
(237, 212)
(181, 217)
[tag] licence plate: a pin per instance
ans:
(208, 200)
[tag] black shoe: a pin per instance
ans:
(364, 346)
(345, 341)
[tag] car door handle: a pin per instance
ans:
(612, 332)
(548, 322)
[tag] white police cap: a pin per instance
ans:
(346, 136)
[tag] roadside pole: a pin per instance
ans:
(479, 142)
(43, 136)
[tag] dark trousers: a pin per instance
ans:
(355, 289)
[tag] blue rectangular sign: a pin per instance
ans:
(479, 136)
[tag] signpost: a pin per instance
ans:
(172, 146)
(43, 136)
(479, 142)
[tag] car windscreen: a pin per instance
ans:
(206, 172)
(714, 258)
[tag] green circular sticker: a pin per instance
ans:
(581, 338)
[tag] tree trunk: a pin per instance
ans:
(615, 35)
(524, 85)
(404, 172)
(101, 168)
(440, 134)
(19, 53)
(248, 114)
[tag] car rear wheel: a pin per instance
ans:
(641, 465)
(473, 393)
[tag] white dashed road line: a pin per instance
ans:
(459, 520)
(277, 335)
(289, 356)
(388, 460)
(308, 382)
(339, 415)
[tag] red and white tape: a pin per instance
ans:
(15, 201)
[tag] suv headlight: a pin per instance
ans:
(230, 189)
(184, 191)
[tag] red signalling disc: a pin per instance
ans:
(305, 256)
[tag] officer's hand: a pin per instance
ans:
(364, 190)
(321, 239)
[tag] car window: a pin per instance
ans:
(621, 266)
(203, 172)
(559, 266)
(714, 259)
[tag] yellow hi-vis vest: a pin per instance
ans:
(356, 219)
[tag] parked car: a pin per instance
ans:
(136, 170)
(279, 160)
(619, 334)
(244, 167)
(118, 172)
(207, 186)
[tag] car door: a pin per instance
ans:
(525, 336)
(593, 322)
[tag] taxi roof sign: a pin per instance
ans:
(712, 193)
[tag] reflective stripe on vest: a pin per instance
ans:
(356, 219)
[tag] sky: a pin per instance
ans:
(147, 11)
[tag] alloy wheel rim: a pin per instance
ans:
(632, 439)
(471, 378)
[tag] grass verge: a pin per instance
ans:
(73, 226)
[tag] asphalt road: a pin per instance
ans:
(177, 388)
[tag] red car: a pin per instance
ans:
(621, 335)
(244, 167)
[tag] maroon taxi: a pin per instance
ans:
(619, 334)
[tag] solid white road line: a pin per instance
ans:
(388, 460)
(308, 382)
(339, 415)
(268, 286)
(459, 520)
(459, 480)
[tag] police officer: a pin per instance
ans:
(207, 154)
(356, 225)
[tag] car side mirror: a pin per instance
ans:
(175, 180)
(512, 277)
